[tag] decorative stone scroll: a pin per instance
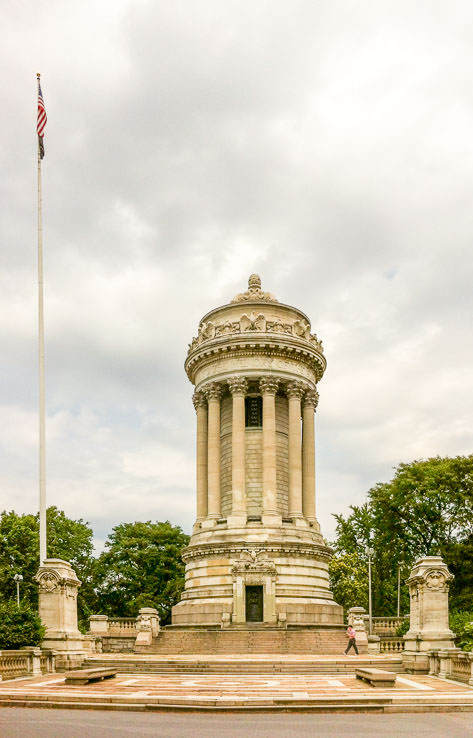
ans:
(199, 400)
(295, 389)
(238, 385)
(311, 398)
(213, 391)
(268, 385)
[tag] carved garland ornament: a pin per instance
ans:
(253, 322)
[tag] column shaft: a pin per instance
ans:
(213, 398)
(308, 455)
(294, 393)
(238, 387)
(200, 404)
(268, 389)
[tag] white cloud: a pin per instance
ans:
(325, 146)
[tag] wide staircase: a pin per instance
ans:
(202, 664)
(252, 640)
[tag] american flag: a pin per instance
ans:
(41, 124)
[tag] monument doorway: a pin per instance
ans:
(254, 603)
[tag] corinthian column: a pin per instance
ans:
(309, 404)
(213, 393)
(268, 388)
(295, 390)
(200, 404)
(238, 387)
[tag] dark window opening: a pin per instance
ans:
(254, 412)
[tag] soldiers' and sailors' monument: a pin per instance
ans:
(256, 554)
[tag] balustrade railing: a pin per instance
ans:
(121, 626)
(22, 662)
(387, 626)
(391, 645)
(452, 663)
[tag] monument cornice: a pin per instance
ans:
(256, 344)
(204, 550)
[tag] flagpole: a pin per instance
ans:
(42, 421)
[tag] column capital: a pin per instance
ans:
(199, 399)
(295, 389)
(238, 385)
(268, 385)
(213, 391)
(311, 399)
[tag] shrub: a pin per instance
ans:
(462, 625)
(19, 626)
(403, 627)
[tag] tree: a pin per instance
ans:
(19, 626)
(19, 553)
(459, 558)
(141, 567)
(427, 508)
(349, 580)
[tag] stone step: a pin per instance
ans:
(248, 641)
(229, 666)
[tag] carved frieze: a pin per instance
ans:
(253, 562)
(253, 322)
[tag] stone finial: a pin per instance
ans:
(254, 281)
(254, 292)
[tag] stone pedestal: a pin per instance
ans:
(356, 620)
(58, 586)
(428, 589)
(147, 626)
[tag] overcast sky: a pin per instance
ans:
(327, 146)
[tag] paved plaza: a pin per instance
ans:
(214, 692)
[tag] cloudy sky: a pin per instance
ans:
(327, 146)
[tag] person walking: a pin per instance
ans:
(351, 635)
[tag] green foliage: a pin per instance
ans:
(462, 625)
(19, 626)
(459, 558)
(141, 567)
(349, 580)
(403, 627)
(426, 508)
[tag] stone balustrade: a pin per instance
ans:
(122, 634)
(26, 662)
(391, 645)
(452, 663)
